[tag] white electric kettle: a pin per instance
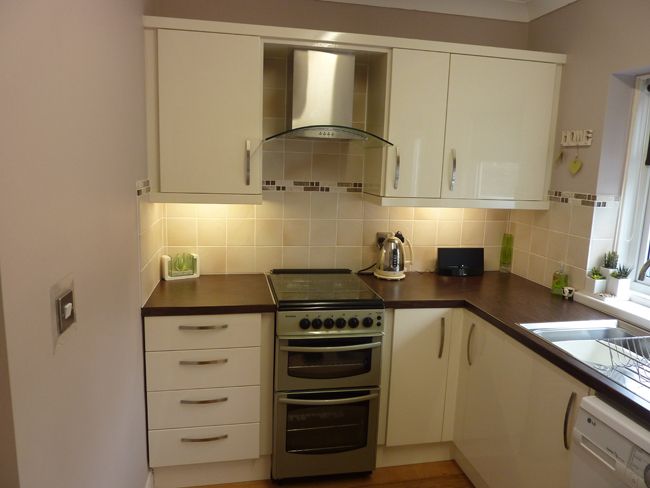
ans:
(392, 259)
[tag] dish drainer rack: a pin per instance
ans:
(630, 357)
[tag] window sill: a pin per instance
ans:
(627, 310)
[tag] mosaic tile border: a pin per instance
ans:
(583, 199)
(319, 186)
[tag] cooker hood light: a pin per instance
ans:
(322, 88)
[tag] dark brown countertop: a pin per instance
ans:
(209, 294)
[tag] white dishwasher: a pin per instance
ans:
(609, 449)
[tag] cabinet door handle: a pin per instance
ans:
(452, 182)
(202, 327)
(567, 414)
(469, 342)
(202, 363)
(397, 168)
(248, 162)
(204, 439)
(442, 337)
(204, 402)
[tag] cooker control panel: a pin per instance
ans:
(326, 322)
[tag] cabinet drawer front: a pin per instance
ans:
(202, 331)
(210, 406)
(215, 368)
(211, 444)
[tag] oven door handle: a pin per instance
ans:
(336, 401)
(354, 347)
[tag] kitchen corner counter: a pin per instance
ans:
(211, 294)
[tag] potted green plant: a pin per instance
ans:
(595, 282)
(618, 283)
(610, 261)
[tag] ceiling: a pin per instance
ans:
(516, 10)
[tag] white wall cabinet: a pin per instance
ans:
(418, 377)
(511, 410)
(205, 114)
(500, 123)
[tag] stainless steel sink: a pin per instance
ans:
(558, 335)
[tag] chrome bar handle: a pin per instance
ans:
(567, 414)
(354, 347)
(248, 162)
(204, 402)
(204, 439)
(442, 337)
(452, 182)
(397, 169)
(203, 363)
(469, 342)
(202, 327)
(337, 401)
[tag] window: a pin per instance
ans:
(633, 238)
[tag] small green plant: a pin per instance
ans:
(610, 261)
(622, 272)
(594, 273)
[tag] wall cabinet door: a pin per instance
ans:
(512, 405)
(209, 112)
(500, 118)
(418, 100)
(418, 376)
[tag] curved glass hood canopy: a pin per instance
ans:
(331, 132)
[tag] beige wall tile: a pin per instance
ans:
(268, 232)
(241, 232)
(497, 214)
(557, 246)
(425, 232)
(473, 233)
(267, 258)
(322, 233)
(181, 232)
(401, 213)
(273, 125)
(296, 205)
(298, 145)
(297, 166)
(424, 258)
(403, 226)
(241, 211)
(576, 277)
(322, 257)
(581, 218)
(276, 145)
(350, 206)
(212, 260)
(522, 216)
(150, 276)
(211, 211)
(368, 257)
(348, 257)
(324, 205)
(491, 258)
(349, 233)
(360, 78)
(240, 259)
(494, 231)
(536, 266)
(359, 108)
(449, 233)
(180, 210)
(541, 219)
(577, 252)
(295, 233)
(597, 250)
(295, 257)
(325, 167)
(423, 213)
(551, 267)
(370, 229)
(272, 206)
(474, 214)
(211, 232)
(521, 235)
(326, 147)
(520, 262)
(274, 102)
(275, 73)
(174, 250)
(273, 166)
(559, 217)
(374, 212)
(450, 213)
(351, 169)
(539, 241)
(604, 221)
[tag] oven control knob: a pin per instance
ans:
(353, 322)
(304, 324)
(340, 323)
(317, 323)
(367, 322)
(329, 323)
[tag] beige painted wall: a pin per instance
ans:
(72, 148)
(601, 38)
(341, 17)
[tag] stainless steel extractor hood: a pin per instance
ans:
(322, 87)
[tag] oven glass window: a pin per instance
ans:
(322, 429)
(330, 364)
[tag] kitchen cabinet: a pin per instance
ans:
(514, 411)
(418, 376)
(500, 123)
(204, 105)
(206, 388)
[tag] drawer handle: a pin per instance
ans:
(204, 439)
(201, 363)
(469, 343)
(202, 327)
(567, 414)
(442, 337)
(204, 402)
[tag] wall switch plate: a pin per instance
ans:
(65, 312)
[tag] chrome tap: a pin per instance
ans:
(644, 270)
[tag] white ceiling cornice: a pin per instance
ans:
(515, 10)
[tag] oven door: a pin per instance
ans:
(325, 432)
(327, 362)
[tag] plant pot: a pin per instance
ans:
(606, 271)
(620, 287)
(595, 286)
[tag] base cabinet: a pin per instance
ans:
(514, 411)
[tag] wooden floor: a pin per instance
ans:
(445, 474)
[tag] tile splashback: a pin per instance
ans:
(152, 237)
